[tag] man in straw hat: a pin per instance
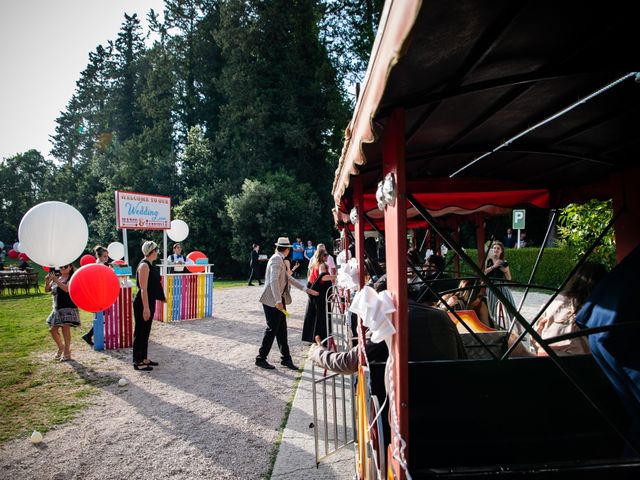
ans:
(274, 298)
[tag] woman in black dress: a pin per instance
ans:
(65, 313)
(315, 317)
(144, 305)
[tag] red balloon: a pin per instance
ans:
(45, 268)
(193, 256)
(23, 256)
(12, 253)
(87, 260)
(119, 262)
(94, 287)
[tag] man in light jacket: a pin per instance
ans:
(274, 298)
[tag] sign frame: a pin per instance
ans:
(147, 200)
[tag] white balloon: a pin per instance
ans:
(53, 234)
(179, 230)
(116, 250)
(36, 437)
(16, 246)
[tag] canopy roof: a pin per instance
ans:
(471, 74)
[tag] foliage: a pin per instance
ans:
(348, 30)
(225, 91)
(580, 224)
(554, 266)
(27, 179)
(266, 210)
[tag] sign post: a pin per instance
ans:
(519, 217)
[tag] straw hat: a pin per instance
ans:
(283, 242)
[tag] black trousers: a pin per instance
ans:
(141, 330)
(276, 328)
(255, 273)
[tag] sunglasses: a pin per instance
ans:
(65, 266)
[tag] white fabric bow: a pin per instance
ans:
(348, 275)
(375, 309)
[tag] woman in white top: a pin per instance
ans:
(560, 316)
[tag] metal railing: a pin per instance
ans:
(333, 393)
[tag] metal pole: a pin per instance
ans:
(126, 246)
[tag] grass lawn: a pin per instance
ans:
(37, 393)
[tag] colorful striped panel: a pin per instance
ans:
(115, 324)
(189, 296)
(98, 331)
(208, 311)
(127, 339)
(169, 297)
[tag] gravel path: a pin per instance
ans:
(206, 412)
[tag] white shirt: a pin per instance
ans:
(331, 264)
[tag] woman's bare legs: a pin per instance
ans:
(55, 334)
(66, 333)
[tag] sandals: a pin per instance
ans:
(57, 356)
(142, 367)
(65, 359)
(150, 362)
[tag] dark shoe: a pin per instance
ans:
(262, 363)
(87, 339)
(260, 283)
(250, 285)
(142, 367)
(289, 364)
(151, 362)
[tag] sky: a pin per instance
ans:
(44, 45)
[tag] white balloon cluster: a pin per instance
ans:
(53, 234)
(116, 250)
(179, 230)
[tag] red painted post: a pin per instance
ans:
(395, 222)
(625, 195)
(358, 233)
(456, 237)
(480, 238)
(358, 201)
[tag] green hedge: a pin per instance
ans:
(555, 265)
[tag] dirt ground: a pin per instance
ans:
(205, 412)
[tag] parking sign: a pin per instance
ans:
(519, 219)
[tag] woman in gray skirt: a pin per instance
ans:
(65, 313)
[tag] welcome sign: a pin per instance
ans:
(143, 212)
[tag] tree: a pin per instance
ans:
(202, 202)
(127, 78)
(265, 210)
(580, 224)
(348, 29)
(27, 179)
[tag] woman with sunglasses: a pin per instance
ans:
(144, 305)
(65, 313)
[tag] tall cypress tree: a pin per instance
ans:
(127, 78)
(282, 106)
